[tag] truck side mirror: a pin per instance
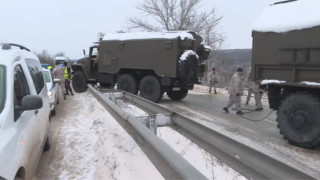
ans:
(84, 52)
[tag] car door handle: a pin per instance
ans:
(36, 112)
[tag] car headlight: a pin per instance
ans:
(49, 93)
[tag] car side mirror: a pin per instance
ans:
(30, 102)
(56, 80)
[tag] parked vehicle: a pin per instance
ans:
(24, 112)
(53, 89)
(60, 60)
(285, 60)
(149, 63)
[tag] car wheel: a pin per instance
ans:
(47, 145)
(128, 83)
(150, 88)
(53, 112)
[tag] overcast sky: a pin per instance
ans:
(72, 25)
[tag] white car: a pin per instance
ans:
(24, 113)
(53, 89)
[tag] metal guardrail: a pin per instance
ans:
(247, 161)
(169, 163)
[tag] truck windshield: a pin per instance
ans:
(59, 61)
(2, 87)
(46, 76)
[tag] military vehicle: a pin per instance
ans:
(150, 63)
(286, 62)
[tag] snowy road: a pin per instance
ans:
(262, 135)
(87, 143)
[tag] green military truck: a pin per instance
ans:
(148, 63)
(286, 61)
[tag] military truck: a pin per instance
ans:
(286, 62)
(148, 63)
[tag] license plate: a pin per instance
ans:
(176, 89)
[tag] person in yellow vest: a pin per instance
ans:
(67, 78)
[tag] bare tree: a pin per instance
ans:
(45, 57)
(179, 15)
(60, 54)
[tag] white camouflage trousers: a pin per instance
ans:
(236, 100)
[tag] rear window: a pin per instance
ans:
(35, 70)
(2, 87)
(46, 76)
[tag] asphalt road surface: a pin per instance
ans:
(262, 135)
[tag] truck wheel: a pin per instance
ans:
(79, 82)
(188, 69)
(150, 88)
(128, 83)
(299, 120)
(177, 95)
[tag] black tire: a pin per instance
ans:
(128, 83)
(299, 120)
(57, 101)
(47, 145)
(177, 95)
(188, 69)
(150, 88)
(53, 112)
(79, 82)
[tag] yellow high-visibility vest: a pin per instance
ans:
(66, 76)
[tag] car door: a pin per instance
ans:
(24, 121)
(36, 74)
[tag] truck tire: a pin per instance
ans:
(79, 82)
(128, 83)
(150, 88)
(299, 120)
(188, 69)
(177, 95)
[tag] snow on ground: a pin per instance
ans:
(289, 16)
(89, 144)
(207, 164)
(203, 161)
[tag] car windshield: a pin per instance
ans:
(46, 76)
(2, 87)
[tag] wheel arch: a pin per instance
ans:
(21, 173)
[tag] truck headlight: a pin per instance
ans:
(49, 93)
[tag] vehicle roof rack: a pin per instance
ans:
(7, 46)
(283, 2)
